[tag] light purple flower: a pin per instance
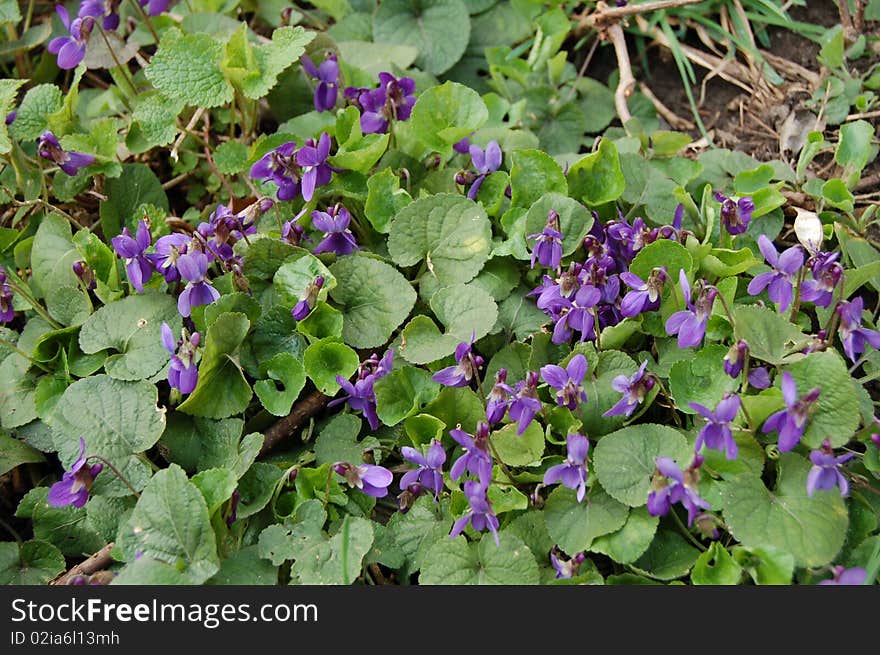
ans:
(106, 10)
(827, 273)
(736, 358)
(825, 473)
(7, 313)
(312, 157)
(466, 367)
(566, 568)
(371, 479)
(735, 214)
(476, 459)
(309, 299)
(844, 576)
(327, 75)
(577, 316)
(499, 397)
(645, 296)
(548, 246)
(183, 374)
(778, 282)
(75, 484)
(133, 251)
(479, 515)
(155, 7)
(360, 395)
(690, 324)
(634, 389)
(671, 485)
(759, 378)
(334, 224)
(168, 249)
(567, 381)
(716, 434)
(429, 473)
(573, 471)
(791, 421)
(193, 267)
(70, 162)
(525, 402)
(486, 162)
(71, 48)
(393, 100)
(279, 166)
(852, 334)
(462, 146)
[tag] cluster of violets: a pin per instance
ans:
(70, 49)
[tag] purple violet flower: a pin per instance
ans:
(548, 246)
(462, 146)
(827, 273)
(852, 334)
(193, 267)
(525, 403)
(279, 166)
(634, 389)
(183, 374)
(7, 313)
(465, 369)
(393, 100)
(429, 473)
(671, 485)
(735, 214)
(736, 358)
(327, 75)
(71, 48)
(479, 515)
(567, 381)
(312, 157)
(334, 224)
(825, 473)
(106, 10)
(578, 316)
(573, 471)
(486, 162)
(566, 568)
(499, 398)
(155, 7)
(132, 250)
(844, 576)
(75, 484)
(759, 378)
(778, 282)
(308, 300)
(371, 479)
(166, 253)
(645, 296)
(690, 324)
(360, 395)
(791, 421)
(716, 434)
(476, 459)
(68, 161)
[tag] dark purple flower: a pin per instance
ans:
(71, 48)
(573, 471)
(11, 116)
(825, 473)
(360, 395)
(827, 273)
(75, 484)
(327, 75)
(479, 515)
(548, 245)
(155, 7)
(499, 398)
(645, 296)
(566, 568)
(578, 316)
(7, 313)
(476, 459)
(778, 282)
(105, 10)
(671, 485)
(133, 251)
(759, 378)
(716, 434)
(183, 374)
(393, 100)
(634, 389)
(735, 214)
(371, 479)
(308, 300)
(567, 381)
(168, 249)
(852, 334)
(312, 157)
(429, 473)
(736, 358)
(68, 161)
(193, 267)
(525, 402)
(791, 421)
(233, 508)
(844, 576)
(690, 324)
(334, 224)
(465, 369)
(486, 162)
(279, 166)
(462, 146)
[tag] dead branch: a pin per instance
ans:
(627, 82)
(97, 562)
(674, 120)
(302, 411)
(605, 15)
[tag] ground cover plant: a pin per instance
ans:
(401, 293)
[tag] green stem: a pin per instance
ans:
(146, 19)
(28, 16)
(501, 464)
(123, 71)
(684, 530)
(796, 306)
(37, 307)
(8, 344)
(117, 472)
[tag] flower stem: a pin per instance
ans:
(8, 344)
(501, 464)
(796, 306)
(684, 530)
(117, 472)
(146, 19)
(37, 307)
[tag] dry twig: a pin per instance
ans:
(302, 411)
(97, 562)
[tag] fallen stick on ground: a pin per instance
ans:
(97, 562)
(302, 411)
